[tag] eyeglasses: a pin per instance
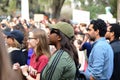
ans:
(31, 38)
(55, 31)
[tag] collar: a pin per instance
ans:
(10, 49)
(116, 40)
(100, 39)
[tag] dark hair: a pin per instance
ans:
(68, 46)
(65, 20)
(19, 27)
(100, 25)
(116, 29)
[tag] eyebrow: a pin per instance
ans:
(88, 29)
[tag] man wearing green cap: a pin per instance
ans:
(62, 64)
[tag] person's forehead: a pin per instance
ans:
(30, 34)
(90, 26)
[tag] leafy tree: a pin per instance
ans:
(56, 8)
(12, 6)
(9, 6)
(3, 6)
(94, 6)
(37, 6)
(113, 4)
(52, 6)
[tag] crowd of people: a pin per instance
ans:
(55, 50)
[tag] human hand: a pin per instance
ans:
(16, 66)
(24, 70)
(32, 71)
(92, 78)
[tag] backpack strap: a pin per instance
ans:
(53, 65)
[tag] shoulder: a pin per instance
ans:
(115, 43)
(102, 44)
(43, 57)
(116, 46)
(66, 56)
(66, 59)
(17, 53)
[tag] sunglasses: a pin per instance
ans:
(54, 31)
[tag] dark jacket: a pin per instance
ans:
(17, 56)
(25, 52)
(116, 70)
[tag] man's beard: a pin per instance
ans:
(107, 38)
(92, 39)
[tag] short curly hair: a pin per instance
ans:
(100, 25)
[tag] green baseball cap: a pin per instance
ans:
(64, 27)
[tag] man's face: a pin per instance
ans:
(92, 32)
(107, 35)
(53, 36)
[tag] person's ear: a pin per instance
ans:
(112, 33)
(59, 38)
(97, 31)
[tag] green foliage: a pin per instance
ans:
(3, 6)
(67, 2)
(95, 7)
(12, 5)
(113, 4)
(34, 6)
(95, 10)
(38, 6)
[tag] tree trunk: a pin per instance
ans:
(56, 8)
(118, 11)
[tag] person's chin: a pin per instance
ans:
(29, 47)
(50, 43)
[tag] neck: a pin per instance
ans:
(58, 46)
(111, 39)
(97, 37)
(35, 49)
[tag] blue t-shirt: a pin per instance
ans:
(30, 52)
(88, 47)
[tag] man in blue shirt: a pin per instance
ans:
(100, 63)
